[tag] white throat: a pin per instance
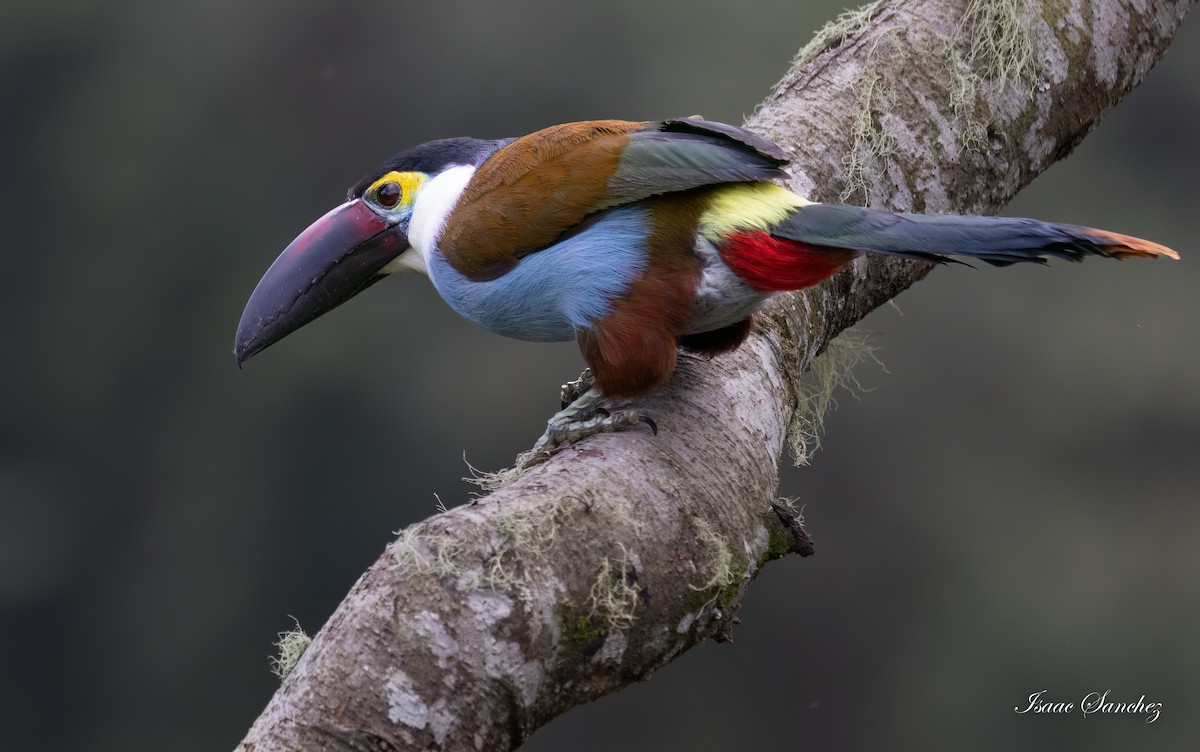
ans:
(434, 203)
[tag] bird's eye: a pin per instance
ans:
(388, 194)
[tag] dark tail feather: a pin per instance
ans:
(999, 241)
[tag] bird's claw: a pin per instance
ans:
(583, 418)
(623, 416)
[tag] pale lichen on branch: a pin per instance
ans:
(291, 645)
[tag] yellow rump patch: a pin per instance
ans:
(747, 206)
(409, 182)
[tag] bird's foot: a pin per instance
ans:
(584, 417)
(573, 390)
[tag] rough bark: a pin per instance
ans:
(611, 558)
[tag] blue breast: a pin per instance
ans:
(552, 293)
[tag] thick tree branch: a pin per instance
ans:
(594, 568)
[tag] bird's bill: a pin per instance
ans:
(336, 258)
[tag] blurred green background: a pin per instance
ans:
(1012, 508)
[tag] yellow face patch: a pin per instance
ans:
(382, 192)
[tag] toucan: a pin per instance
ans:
(636, 239)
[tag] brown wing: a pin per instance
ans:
(533, 191)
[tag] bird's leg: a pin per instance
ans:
(585, 417)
